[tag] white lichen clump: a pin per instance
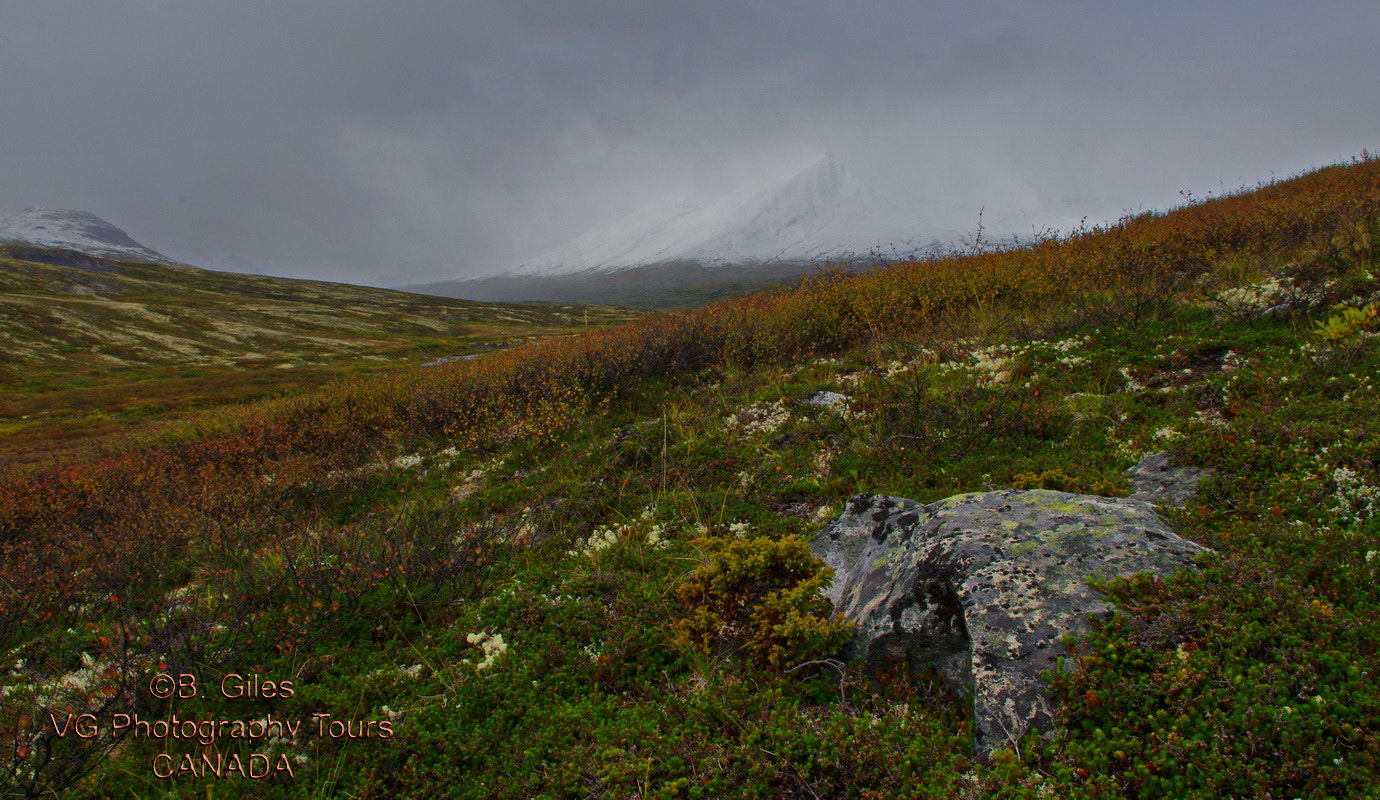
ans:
(1255, 297)
(492, 645)
(1355, 498)
(992, 369)
(895, 368)
(602, 539)
(406, 462)
(606, 536)
(1132, 385)
(1069, 345)
(469, 486)
(760, 417)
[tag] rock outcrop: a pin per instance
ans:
(982, 587)
(1154, 481)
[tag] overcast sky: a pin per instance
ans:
(397, 141)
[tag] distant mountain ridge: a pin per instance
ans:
(81, 231)
(821, 213)
(675, 254)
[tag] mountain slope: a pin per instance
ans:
(670, 284)
(674, 254)
(818, 214)
(80, 231)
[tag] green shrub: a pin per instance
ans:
(1349, 322)
(763, 595)
(1058, 481)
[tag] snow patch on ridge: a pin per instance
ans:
(75, 230)
(819, 214)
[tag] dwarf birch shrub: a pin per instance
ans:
(763, 595)
(1058, 481)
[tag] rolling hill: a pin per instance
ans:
(74, 232)
(90, 344)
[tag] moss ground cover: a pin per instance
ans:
(575, 570)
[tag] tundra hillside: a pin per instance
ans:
(575, 568)
(93, 348)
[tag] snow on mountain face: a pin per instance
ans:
(822, 213)
(75, 230)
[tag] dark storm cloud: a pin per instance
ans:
(388, 142)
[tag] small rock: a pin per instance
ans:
(1154, 481)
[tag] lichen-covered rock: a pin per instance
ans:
(983, 586)
(1154, 481)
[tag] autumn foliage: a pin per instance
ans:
(226, 504)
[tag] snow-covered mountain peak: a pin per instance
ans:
(75, 230)
(824, 176)
(821, 213)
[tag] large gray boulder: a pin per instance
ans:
(982, 587)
